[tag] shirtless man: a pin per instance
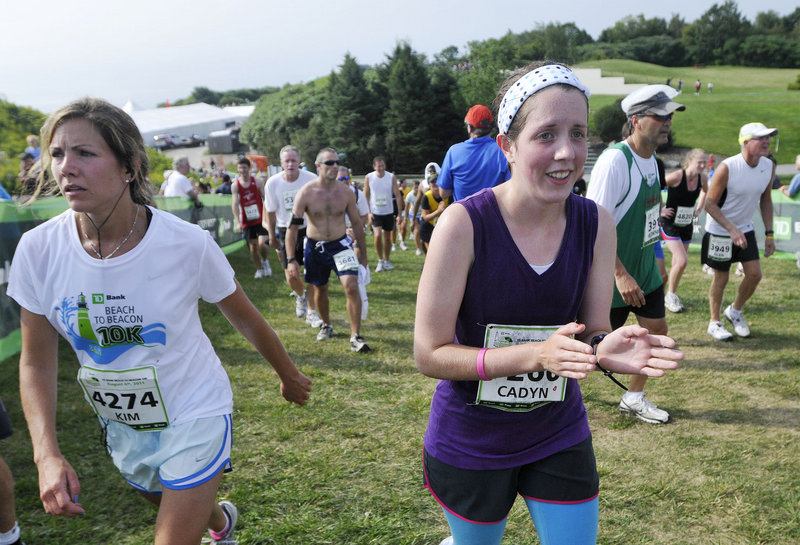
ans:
(325, 202)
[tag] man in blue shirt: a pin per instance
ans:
(476, 163)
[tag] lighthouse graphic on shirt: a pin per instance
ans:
(106, 326)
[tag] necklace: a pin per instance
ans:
(124, 240)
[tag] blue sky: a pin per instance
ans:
(149, 51)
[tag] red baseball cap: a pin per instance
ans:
(479, 116)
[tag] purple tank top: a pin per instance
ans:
(502, 288)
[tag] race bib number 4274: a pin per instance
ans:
(130, 396)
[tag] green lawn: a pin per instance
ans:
(712, 121)
(345, 469)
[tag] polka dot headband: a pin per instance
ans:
(531, 83)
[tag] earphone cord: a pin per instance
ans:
(96, 228)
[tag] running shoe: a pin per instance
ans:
(313, 319)
(403, 245)
(267, 268)
(358, 344)
(325, 332)
(300, 305)
(739, 270)
(447, 541)
(708, 270)
(737, 320)
(718, 331)
(419, 252)
(232, 515)
(644, 410)
(379, 266)
(673, 302)
(259, 273)
(394, 247)
(387, 265)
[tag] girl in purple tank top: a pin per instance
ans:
(512, 312)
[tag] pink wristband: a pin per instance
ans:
(480, 362)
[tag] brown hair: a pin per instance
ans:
(120, 134)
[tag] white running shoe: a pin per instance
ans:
(387, 265)
(259, 273)
(358, 344)
(447, 541)
(644, 410)
(379, 266)
(394, 247)
(267, 268)
(673, 302)
(325, 332)
(300, 305)
(419, 252)
(313, 319)
(718, 331)
(233, 515)
(739, 270)
(403, 245)
(708, 270)
(737, 320)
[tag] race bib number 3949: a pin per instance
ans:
(130, 396)
(520, 393)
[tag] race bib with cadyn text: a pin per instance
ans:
(520, 393)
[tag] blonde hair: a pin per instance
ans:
(692, 155)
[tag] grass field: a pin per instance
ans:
(712, 121)
(345, 469)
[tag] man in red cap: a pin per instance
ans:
(476, 163)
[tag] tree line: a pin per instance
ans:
(410, 108)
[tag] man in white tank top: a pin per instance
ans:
(739, 184)
(379, 187)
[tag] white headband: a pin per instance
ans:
(531, 83)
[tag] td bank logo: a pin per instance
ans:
(98, 299)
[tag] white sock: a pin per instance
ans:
(11, 536)
(632, 397)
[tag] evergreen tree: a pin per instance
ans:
(349, 115)
(408, 118)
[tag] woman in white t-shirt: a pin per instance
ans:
(118, 279)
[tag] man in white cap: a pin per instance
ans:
(477, 162)
(625, 182)
(739, 184)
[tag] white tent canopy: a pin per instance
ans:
(199, 119)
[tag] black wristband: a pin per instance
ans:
(290, 260)
(769, 232)
(597, 339)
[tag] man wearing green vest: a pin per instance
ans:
(625, 182)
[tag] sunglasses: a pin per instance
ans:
(331, 162)
(343, 178)
(662, 118)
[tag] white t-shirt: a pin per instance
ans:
(743, 193)
(279, 196)
(614, 186)
(361, 204)
(380, 193)
(136, 310)
(178, 185)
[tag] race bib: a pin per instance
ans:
(251, 212)
(346, 260)
(720, 248)
(520, 393)
(381, 200)
(131, 397)
(288, 200)
(684, 215)
(652, 231)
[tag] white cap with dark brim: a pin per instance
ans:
(755, 130)
(656, 99)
